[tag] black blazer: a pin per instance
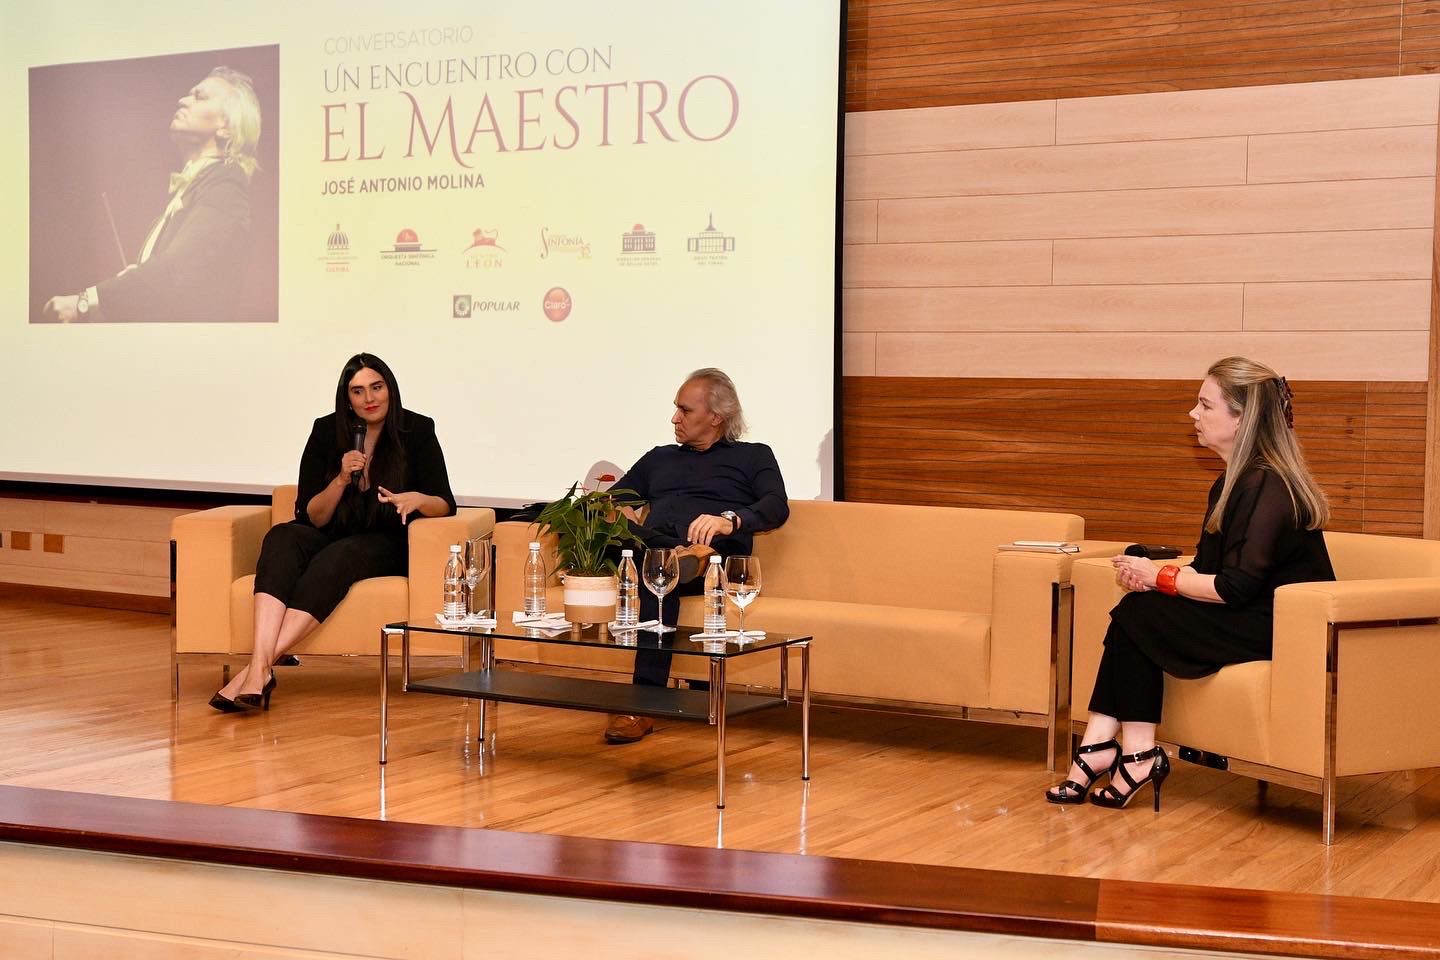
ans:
(199, 260)
(359, 511)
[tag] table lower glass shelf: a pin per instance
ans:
(579, 693)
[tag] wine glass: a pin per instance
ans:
(661, 571)
(742, 584)
(477, 565)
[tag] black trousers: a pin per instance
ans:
(1129, 686)
(652, 667)
(311, 570)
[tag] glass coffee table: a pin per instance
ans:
(715, 706)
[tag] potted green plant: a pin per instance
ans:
(586, 526)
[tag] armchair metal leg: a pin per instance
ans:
(1327, 789)
(1057, 724)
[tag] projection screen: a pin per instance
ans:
(542, 216)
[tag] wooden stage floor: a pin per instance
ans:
(85, 706)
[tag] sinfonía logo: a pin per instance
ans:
(463, 306)
(559, 243)
(557, 304)
(407, 250)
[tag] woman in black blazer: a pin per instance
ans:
(349, 520)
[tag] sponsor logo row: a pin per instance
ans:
(484, 249)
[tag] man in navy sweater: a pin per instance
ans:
(709, 492)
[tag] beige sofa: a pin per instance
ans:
(214, 557)
(1356, 664)
(912, 608)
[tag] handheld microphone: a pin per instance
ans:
(357, 443)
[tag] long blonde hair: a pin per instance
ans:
(1264, 437)
(242, 118)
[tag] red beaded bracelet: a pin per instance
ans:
(1165, 580)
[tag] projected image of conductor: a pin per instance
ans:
(193, 260)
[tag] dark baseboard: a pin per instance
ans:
(87, 598)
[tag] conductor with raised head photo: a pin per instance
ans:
(192, 264)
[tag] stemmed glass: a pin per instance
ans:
(477, 565)
(742, 585)
(661, 571)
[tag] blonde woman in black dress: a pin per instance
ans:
(1262, 530)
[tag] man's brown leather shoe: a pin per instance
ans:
(624, 728)
(692, 560)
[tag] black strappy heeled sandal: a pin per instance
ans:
(1159, 769)
(1068, 791)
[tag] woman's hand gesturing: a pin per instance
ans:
(404, 503)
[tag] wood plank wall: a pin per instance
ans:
(1120, 454)
(1146, 236)
(1009, 230)
(919, 53)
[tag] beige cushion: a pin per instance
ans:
(352, 629)
(1227, 712)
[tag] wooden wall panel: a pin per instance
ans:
(921, 53)
(1105, 449)
(1279, 214)
(109, 548)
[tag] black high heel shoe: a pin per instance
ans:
(225, 704)
(1159, 769)
(258, 701)
(1069, 791)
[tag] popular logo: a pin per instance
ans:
(466, 306)
(557, 304)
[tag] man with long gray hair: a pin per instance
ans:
(708, 492)
(193, 259)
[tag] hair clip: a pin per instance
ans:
(1286, 397)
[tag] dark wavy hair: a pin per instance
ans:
(387, 464)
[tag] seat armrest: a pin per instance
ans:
(1303, 614)
(213, 549)
(512, 546)
(1020, 625)
(430, 540)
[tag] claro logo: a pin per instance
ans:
(557, 304)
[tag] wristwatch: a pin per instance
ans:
(82, 305)
(733, 517)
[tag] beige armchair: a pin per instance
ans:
(1353, 661)
(214, 559)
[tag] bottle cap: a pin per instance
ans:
(714, 558)
(627, 553)
(454, 548)
(535, 545)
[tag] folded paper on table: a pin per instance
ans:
(470, 621)
(548, 621)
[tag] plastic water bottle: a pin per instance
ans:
(627, 602)
(454, 585)
(714, 596)
(534, 583)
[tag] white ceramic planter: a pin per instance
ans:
(590, 599)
